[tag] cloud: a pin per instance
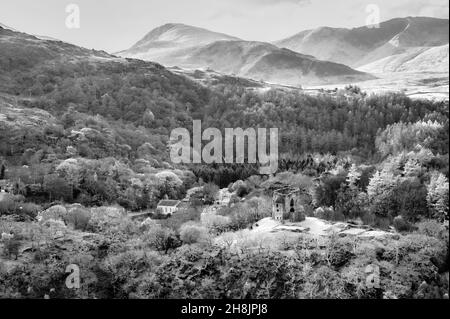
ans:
(430, 8)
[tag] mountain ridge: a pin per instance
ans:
(172, 37)
(423, 59)
(191, 47)
(362, 45)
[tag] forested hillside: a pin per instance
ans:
(100, 106)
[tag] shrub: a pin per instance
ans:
(11, 206)
(382, 222)
(326, 192)
(111, 220)
(402, 225)
(209, 193)
(339, 251)
(368, 218)
(338, 216)
(12, 248)
(192, 234)
(243, 190)
(78, 218)
(215, 222)
(325, 213)
(57, 212)
(234, 186)
(161, 238)
(127, 268)
(7, 207)
(30, 209)
(433, 228)
(57, 187)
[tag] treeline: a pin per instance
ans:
(342, 122)
(224, 174)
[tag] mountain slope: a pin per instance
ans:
(40, 70)
(263, 61)
(172, 39)
(6, 27)
(422, 59)
(360, 46)
(17, 47)
(190, 47)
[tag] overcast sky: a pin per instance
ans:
(113, 25)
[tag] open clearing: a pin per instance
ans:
(423, 85)
(268, 233)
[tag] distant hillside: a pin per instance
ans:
(266, 62)
(211, 78)
(434, 59)
(360, 46)
(190, 47)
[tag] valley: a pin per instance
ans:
(361, 186)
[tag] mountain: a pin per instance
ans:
(115, 87)
(6, 27)
(360, 46)
(191, 47)
(421, 59)
(172, 39)
(263, 61)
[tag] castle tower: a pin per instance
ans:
(287, 205)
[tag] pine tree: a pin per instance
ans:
(353, 177)
(412, 168)
(438, 196)
(380, 193)
(375, 185)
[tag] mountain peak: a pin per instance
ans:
(182, 34)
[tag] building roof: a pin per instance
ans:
(169, 203)
(275, 185)
(287, 190)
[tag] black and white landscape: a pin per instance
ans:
(93, 205)
(400, 48)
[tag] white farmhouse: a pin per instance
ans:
(167, 207)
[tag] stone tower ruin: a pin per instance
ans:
(288, 205)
